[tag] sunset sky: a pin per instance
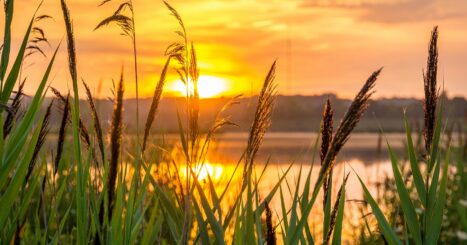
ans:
(321, 46)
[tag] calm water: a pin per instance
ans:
(282, 149)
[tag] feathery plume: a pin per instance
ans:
(429, 82)
(84, 134)
(347, 124)
(193, 97)
(115, 139)
(70, 44)
(62, 133)
(97, 123)
(43, 131)
(326, 138)
(262, 119)
(155, 103)
(12, 114)
(174, 12)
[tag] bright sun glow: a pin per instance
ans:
(208, 86)
(205, 170)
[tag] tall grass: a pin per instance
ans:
(424, 228)
(141, 196)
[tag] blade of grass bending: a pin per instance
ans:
(6, 40)
(14, 187)
(15, 69)
(283, 210)
(29, 192)
(62, 225)
(171, 214)
(271, 194)
(304, 201)
(116, 233)
(296, 232)
(388, 233)
(294, 214)
(203, 232)
(405, 201)
(153, 227)
(18, 138)
(215, 225)
(417, 176)
(130, 209)
(261, 207)
(434, 229)
(214, 198)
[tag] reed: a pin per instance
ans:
(326, 138)
(193, 106)
(430, 87)
(262, 118)
(115, 144)
(155, 103)
(160, 208)
(83, 131)
(346, 126)
(14, 110)
(96, 121)
(128, 28)
(81, 201)
(424, 228)
(44, 130)
(62, 133)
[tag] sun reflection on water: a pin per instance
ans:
(214, 171)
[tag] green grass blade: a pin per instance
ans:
(337, 235)
(327, 208)
(273, 191)
(203, 232)
(436, 137)
(417, 176)
(432, 190)
(182, 137)
(434, 227)
(18, 137)
(388, 233)
(405, 201)
(6, 39)
(15, 69)
(9, 196)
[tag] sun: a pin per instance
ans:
(208, 86)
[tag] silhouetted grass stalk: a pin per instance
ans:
(80, 181)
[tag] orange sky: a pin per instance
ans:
(321, 46)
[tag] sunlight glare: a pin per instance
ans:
(208, 86)
(205, 170)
